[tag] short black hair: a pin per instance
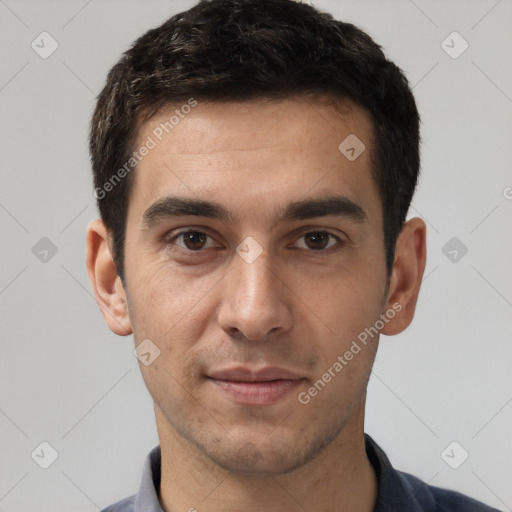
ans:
(238, 50)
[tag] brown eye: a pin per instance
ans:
(319, 240)
(192, 240)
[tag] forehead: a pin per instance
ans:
(254, 155)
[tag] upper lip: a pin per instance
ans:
(243, 374)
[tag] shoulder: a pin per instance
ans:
(398, 490)
(443, 500)
(125, 505)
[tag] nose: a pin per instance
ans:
(255, 301)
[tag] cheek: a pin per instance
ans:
(157, 292)
(344, 303)
(169, 307)
(346, 353)
(346, 311)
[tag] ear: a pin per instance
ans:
(106, 284)
(407, 274)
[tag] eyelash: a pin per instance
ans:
(340, 242)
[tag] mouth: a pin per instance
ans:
(255, 387)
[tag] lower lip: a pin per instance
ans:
(257, 393)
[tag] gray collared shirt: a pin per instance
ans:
(397, 491)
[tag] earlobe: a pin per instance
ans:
(106, 284)
(407, 274)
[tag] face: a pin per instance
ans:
(253, 298)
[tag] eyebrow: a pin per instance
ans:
(174, 207)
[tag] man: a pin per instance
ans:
(254, 162)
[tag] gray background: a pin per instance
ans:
(67, 380)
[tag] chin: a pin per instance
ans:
(266, 458)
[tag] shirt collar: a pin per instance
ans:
(395, 491)
(146, 499)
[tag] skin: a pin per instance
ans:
(297, 306)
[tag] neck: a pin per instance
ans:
(339, 479)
